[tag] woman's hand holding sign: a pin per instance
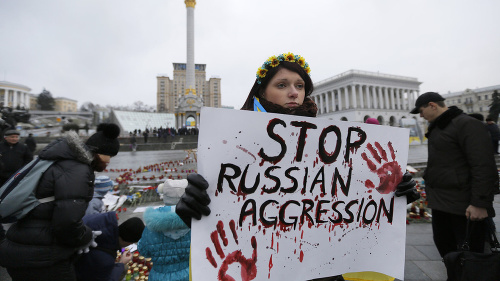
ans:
(194, 202)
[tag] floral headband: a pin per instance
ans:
(275, 61)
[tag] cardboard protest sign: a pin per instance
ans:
(298, 198)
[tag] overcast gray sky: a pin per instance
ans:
(110, 51)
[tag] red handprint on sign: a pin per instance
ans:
(248, 267)
(389, 173)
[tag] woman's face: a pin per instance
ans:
(286, 88)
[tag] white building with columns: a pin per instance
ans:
(356, 95)
(14, 95)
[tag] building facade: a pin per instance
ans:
(472, 101)
(33, 102)
(169, 91)
(356, 95)
(65, 105)
(14, 95)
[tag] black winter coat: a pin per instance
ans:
(12, 158)
(461, 169)
(30, 142)
(53, 231)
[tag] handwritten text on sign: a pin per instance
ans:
(299, 197)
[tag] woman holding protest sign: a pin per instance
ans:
(282, 86)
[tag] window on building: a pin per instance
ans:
(485, 97)
(459, 101)
(478, 97)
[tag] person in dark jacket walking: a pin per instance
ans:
(13, 155)
(44, 244)
(30, 142)
(461, 177)
(494, 133)
(133, 142)
(99, 263)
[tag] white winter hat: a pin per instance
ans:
(172, 190)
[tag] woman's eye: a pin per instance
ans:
(300, 86)
(281, 85)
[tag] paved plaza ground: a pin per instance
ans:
(422, 260)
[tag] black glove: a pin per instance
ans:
(407, 187)
(194, 202)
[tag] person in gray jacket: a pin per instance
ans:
(461, 177)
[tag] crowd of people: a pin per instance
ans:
(74, 237)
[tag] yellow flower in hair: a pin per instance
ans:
(262, 72)
(289, 57)
(301, 61)
(274, 61)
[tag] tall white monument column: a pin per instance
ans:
(190, 78)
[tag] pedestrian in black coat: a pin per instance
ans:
(14, 155)
(494, 133)
(44, 244)
(30, 142)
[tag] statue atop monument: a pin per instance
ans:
(190, 3)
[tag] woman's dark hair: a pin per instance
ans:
(258, 89)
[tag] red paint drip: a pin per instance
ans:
(301, 258)
(371, 165)
(270, 266)
(210, 257)
(232, 226)
(215, 240)
(222, 233)
(369, 184)
(246, 151)
(373, 153)
(393, 154)
(381, 150)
